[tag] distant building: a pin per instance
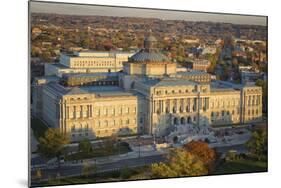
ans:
(200, 64)
(209, 50)
(88, 62)
(195, 75)
(249, 74)
(191, 41)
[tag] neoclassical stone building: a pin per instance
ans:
(148, 97)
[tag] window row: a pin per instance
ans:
(253, 100)
(115, 111)
(115, 122)
(110, 131)
(226, 103)
(79, 128)
(253, 112)
(225, 113)
(174, 91)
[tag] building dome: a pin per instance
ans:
(149, 53)
(150, 38)
(143, 56)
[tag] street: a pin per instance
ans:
(71, 171)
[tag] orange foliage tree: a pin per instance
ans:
(203, 152)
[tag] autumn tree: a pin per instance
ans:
(52, 144)
(203, 152)
(180, 163)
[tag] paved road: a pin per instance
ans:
(69, 171)
(241, 148)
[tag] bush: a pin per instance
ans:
(125, 173)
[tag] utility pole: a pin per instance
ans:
(198, 109)
(118, 147)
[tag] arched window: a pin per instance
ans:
(189, 120)
(175, 121)
(182, 121)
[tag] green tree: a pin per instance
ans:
(125, 173)
(46, 56)
(52, 144)
(109, 144)
(88, 169)
(180, 163)
(258, 144)
(85, 146)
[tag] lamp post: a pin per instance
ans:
(154, 142)
(139, 145)
(118, 147)
(154, 136)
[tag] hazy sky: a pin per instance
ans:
(73, 9)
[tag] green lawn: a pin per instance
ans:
(99, 152)
(134, 173)
(38, 127)
(241, 166)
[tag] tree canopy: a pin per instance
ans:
(85, 146)
(203, 152)
(258, 143)
(180, 163)
(52, 144)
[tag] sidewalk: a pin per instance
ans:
(144, 152)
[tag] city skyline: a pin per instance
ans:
(100, 10)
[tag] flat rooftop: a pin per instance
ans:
(224, 84)
(98, 74)
(192, 72)
(101, 91)
(168, 82)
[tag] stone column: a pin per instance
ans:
(207, 104)
(178, 105)
(171, 105)
(184, 105)
(164, 106)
